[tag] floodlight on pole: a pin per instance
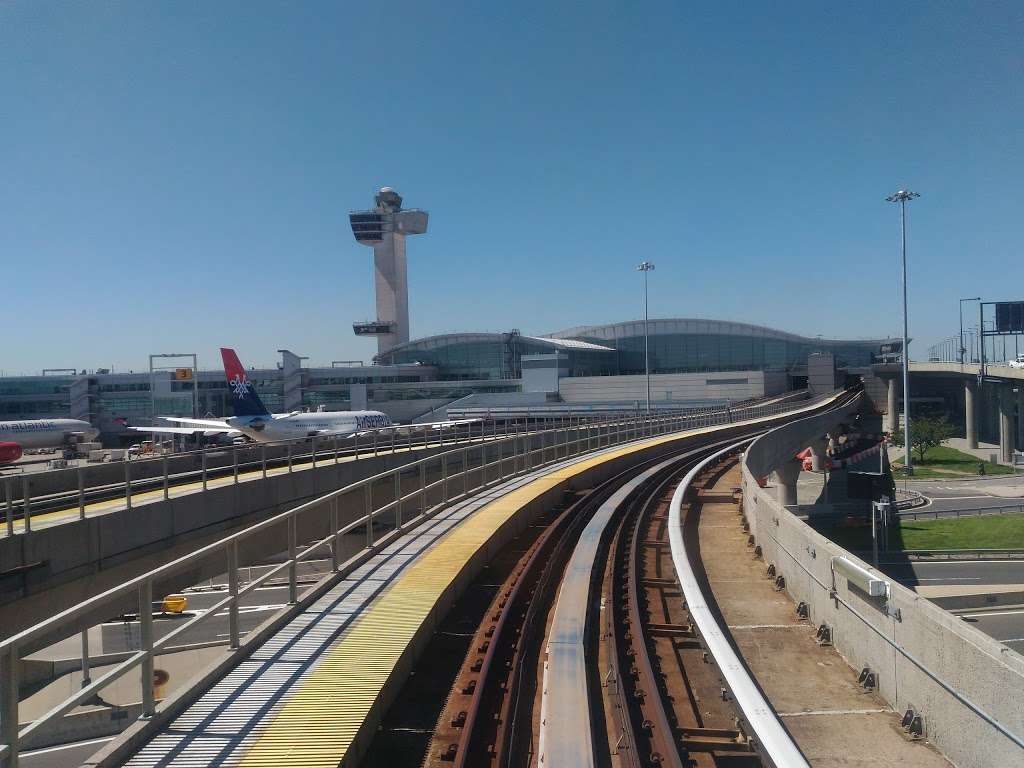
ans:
(962, 348)
(645, 267)
(901, 197)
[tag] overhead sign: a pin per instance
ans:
(1010, 317)
(182, 374)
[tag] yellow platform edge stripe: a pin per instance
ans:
(321, 720)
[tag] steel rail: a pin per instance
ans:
(566, 732)
(772, 740)
(665, 750)
(518, 606)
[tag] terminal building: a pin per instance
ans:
(693, 362)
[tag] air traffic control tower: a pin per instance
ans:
(385, 228)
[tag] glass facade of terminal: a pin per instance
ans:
(35, 397)
(497, 356)
(695, 353)
(493, 356)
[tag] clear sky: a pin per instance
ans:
(175, 176)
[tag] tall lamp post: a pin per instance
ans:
(962, 350)
(645, 267)
(901, 197)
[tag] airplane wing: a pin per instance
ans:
(214, 423)
(408, 429)
(448, 424)
(186, 430)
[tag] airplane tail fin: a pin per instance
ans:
(247, 402)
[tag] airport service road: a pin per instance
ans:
(1004, 624)
(124, 635)
(955, 572)
(63, 756)
(948, 496)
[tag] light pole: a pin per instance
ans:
(645, 267)
(901, 197)
(962, 350)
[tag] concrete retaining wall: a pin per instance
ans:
(925, 658)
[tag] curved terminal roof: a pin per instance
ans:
(446, 339)
(694, 326)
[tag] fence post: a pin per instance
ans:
(423, 486)
(335, 527)
(398, 499)
(9, 705)
(289, 457)
(233, 635)
(444, 478)
(293, 566)
(166, 482)
(313, 441)
(375, 442)
(10, 506)
(26, 503)
(146, 644)
(128, 485)
(263, 459)
(203, 452)
(85, 657)
(234, 461)
(81, 491)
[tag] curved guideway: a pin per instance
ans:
(568, 705)
(763, 723)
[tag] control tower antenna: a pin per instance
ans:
(385, 228)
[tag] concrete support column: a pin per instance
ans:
(786, 475)
(891, 410)
(818, 454)
(970, 414)
(1020, 415)
(1006, 425)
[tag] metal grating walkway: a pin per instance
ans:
(225, 724)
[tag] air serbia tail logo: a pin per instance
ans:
(247, 402)
(239, 385)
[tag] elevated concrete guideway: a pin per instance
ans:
(1009, 401)
(965, 687)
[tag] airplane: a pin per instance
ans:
(253, 420)
(18, 436)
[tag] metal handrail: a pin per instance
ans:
(128, 486)
(24, 503)
(605, 430)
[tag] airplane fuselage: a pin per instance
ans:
(45, 433)
(268, 428)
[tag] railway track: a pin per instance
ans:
(596, 583)
(591, 654)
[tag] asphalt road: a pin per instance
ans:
(256, 608)
(953, 572)
(1006, 625)
(947, 497)
(63, 756)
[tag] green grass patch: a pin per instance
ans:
(987, 532)
(945, 462)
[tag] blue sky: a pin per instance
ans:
(176, 175)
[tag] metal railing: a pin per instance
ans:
(407, 495)
(163, 472)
